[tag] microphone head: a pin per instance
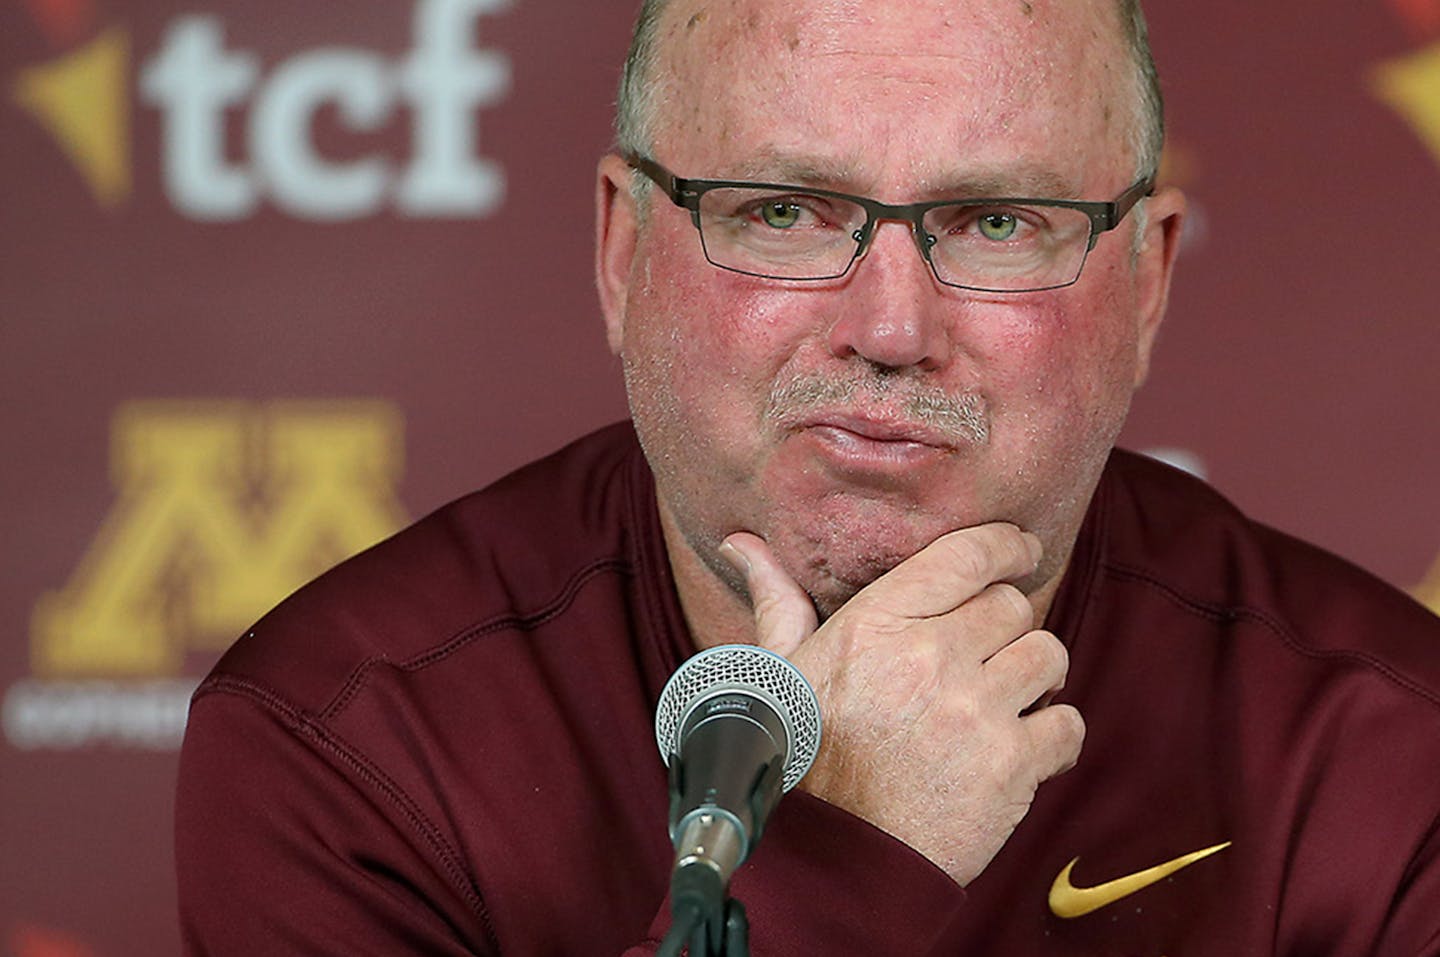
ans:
(752, 670)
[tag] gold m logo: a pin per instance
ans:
(224, 508)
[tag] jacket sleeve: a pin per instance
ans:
(282, 849)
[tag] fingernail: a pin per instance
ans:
(1036, 548)
(735, 557)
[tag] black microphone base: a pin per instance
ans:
(712, 924)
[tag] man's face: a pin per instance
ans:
(851, 422)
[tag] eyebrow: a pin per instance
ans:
(773, 167)
(1030, 181)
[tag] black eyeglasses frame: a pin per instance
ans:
(686, 193)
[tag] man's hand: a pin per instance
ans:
(925, 680)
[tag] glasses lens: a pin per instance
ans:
(785, 235)
(1003, 248)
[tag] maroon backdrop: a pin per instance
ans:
(276, 277)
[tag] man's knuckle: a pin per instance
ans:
(1070, 727)
(1017, 606)
(1054, 658)
(969, 557)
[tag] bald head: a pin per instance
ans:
(644, 91)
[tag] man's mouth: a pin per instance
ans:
(848, 426)
(882, 413)
(859, 445)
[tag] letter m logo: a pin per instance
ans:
(223, 509)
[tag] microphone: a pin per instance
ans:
(738, 726)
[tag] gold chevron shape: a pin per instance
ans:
(1428, 591)
(1411, 86)
(83, 99)
(1067, 900)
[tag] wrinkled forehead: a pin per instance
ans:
(870, 91)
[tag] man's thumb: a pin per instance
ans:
(784, 614)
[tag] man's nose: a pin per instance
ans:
(891, 310)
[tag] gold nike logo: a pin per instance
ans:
(1067, 900)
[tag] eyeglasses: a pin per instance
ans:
(989, 245)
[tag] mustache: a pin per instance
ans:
(963, 418)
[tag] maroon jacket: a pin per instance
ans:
(445, 746)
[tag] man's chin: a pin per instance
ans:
(836, 580)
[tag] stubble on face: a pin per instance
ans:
(858, 531)
(836, 536)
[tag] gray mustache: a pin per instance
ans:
(963, 418)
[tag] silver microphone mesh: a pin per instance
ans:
(754, 670)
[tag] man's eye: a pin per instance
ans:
(997, 226)
(780, 215)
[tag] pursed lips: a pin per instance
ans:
(882, 413)
(879, 429)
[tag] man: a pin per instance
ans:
(877, 404)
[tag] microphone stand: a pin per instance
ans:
(702, 910)
(714, 931)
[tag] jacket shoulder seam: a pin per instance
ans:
(525, 621)
(1219, 612)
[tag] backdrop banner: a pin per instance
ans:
(279, 277)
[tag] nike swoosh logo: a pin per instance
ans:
(1067, 900)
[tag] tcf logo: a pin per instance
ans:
(196, 81)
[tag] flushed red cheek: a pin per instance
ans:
(730, 334)
(1020, 354)
(1064, 348)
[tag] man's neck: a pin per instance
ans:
(716, 614)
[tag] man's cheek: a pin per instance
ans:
(1069, 353)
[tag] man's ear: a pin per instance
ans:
(1154, 265)
(616, 229)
